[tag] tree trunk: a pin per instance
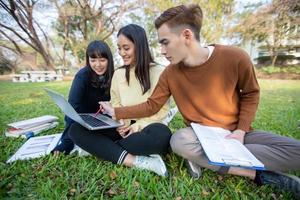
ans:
(48, 60)
(274, 58)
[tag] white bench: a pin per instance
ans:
(19, 78)
(36, 76)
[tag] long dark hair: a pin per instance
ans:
(138, 37)
(99, 49)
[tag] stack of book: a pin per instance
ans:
(31, 127)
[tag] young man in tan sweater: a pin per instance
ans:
(213, 86)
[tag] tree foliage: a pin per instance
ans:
(216, 15)
(271, 25)
(21, 25)
(81, 21)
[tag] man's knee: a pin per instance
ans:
(185, 143)
(180, 143)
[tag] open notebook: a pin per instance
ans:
(224, 152)
(36, 147)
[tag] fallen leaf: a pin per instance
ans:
(178, 198)
(273, 196)
(111, 192)
(136, 184)
(220, 178)
(9, 186)
(113, 175)
(204, 192)
(73, 190)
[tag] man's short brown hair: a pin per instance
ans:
(190, 16)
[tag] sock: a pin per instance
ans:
(257, 178)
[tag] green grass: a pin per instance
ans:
(278, 69)
(73, 177)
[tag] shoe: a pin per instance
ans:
(153, 163)
(280, 180)
(193, 169)
(80, 151)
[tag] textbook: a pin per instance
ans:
(36, 147)
(31, 127)
(224, 152)
(28, 123)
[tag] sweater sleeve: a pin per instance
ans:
(77, 92)
(156, 118)
(153, 104)
(249, 93)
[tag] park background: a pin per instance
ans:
(52, 35)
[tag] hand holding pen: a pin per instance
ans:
(107, 108)
(99, 111)
(102, 109)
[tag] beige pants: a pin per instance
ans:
(277, 153)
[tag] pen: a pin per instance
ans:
(97, 113)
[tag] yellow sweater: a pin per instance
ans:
(123, 94)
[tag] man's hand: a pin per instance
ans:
(106, 108)
(238, 135)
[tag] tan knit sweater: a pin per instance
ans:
(124, 94)
(221, 92)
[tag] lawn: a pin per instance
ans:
(73, 177)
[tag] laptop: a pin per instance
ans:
(85, 119)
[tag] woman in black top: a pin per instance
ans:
(90, 85)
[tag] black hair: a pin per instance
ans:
(99, 49)
(138, 37)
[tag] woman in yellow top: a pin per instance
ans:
(139, 141)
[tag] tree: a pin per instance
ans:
(6, 65)
(272, 24)
(81, 21)
(22, 26)
(217, 15)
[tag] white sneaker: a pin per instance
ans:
(80, 151)
(153, 163)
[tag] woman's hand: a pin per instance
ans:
(106, 108)
(125, 131)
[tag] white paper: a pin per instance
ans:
(224, 151)
(36, 147)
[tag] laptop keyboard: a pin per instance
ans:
(92, 121)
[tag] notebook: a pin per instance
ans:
(85, 119)
(36, 147)
(224, 152)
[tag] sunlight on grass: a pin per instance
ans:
(73, 177)
(24, 102)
